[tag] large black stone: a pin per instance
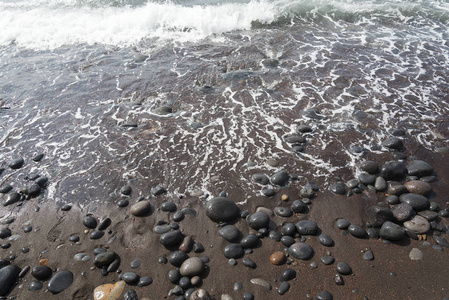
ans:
(416, 201)
(378, 215)
(280, 178)
(230, 233)
(391, 231)
(233, 251)
(171, 239)
(258, 220)
(306, 227)
(419, 168)
(393, 170)
(41, 272)
(8, 276)
(301, 250)
(221, 209)
(60, 281)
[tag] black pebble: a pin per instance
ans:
(233, 251)
(324, 295)
(343, 268)
(288, 274)
(178, 216)
(16, 163)
(66, 207)
(287, 240)
(174, 276)
(123, 203)
(5, 233)
(145, 281)
(130, 278)
(184, 282)
(60, 281)
(126, 190)
(38, 157)
(248, 262)
(6, 188)
(283, 288)
(198, 248)
(74, 238)
(176, 258)
(135, 264)
(248, 296)
(42, 181)
(168, 207)
(96, 234)
(24, 271)
(90, 222)
(35, 286)
(130, 295)
(288, 229)
(41, 272)
(250, 241)
(162, 260)
(105, 223)
(27, 229)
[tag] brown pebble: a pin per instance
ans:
(277, 258)
(284, 197)
(44, 261)
(186, 245)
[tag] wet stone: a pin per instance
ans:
(5, 233)
(393, 143)
(161, 229)
(126, 190)
(178, 216)
(418, 224)
(171, 239)
(233, 251)
(391, 231)
(168, 207)
(301, 250)
(287, 240)
(395, 188)
(135, 263)
(90, 222)
(60, 281)
(260, 178)
(268, 192)
(343, 268)
(249, 263)
(380, 184)
(441, 241)
(378, 215)
(12, 198)
(418, 187)
(368, 255)
(416, 201)
(248, 296)
(284, 212)
(434, 206)
(278, 258)
(393, 171)
(250, 241)
(419, 168)
(338, 188)
(141, 208)
(373, 233)
(392, 200)
(429, 215)
(221, 209)
(158, 190)
(130, 278)
(443, 213)
(283, 288)
(6, 188)
(230, 233)
(403, 212)
(198, 248)
(8, 276)
(130, 295)
(96, 234)
(325, 240)
(367, 179)
(66, 207)
(35, 286)
(437, 247)
(357, 231)
(368, 166)
(176, 258)
(327, 260)
(343, 224)
(262, 283)
(123, 203)
(324, 295)
(16, 163)
(299, 206)
(280, 178)
(104, 259)
(41, 272)
(275, 235)
(306, 227)
(415, 254)
(258, 220)
(191, 267)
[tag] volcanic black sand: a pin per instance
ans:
(392, 274)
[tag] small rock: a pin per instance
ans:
(130, 278)
(126, 190)
(60, 281)
(233, 251)
(324, 295)
(378, 215)
(280, 178)
(141, 208)
(168, 207)
(403, 212)
(327, 260)
(221, 209)
(278, 258)
(338, 188)
(370, 167)
(418, 187)
(230, 233)
(16, 163)
(299, 206)
(90, 222)
(368, 255)
(284, 212)
(8, 276)
(306, 227)
(191, 267)
(249, 263)
(171, 239)
(36, 286)
(343, 268)
(419, 168)
(261, 282)
(109, 291)
(391, 231)
(380, 184)
(301, 250)
(418, 202)
(418, 224)
(258, 220)
(283, 288)
(393, 143)
(260, 178)
(200, 294)
(325, 240)
(357, 231)
(343, 224)
(130, 295)
(41, 272)
(393, 170)
(415, 254)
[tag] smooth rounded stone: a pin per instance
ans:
(283, 287)
(368, 166)
(261, 282)
(434, 206)
(403, 212)
(171, 239)
(324, 295)
(230, 233)
(5, 245)
(123, 203)
(307, 192)
(288, 229)
(232, 262)
(313, 265)
(393, 170)
(268, 192)
(295, 139)
(429, 215)
(96, 234)
(130, 278)
(5, 233)
(298, 206)
(395, 188)
(176, 258)
(352, 183)
(418, 224)
(90, 222)
(441, 241)
(443, 213)
(418, 187)
(357, 231)
(41, 272)
(437, 247)
(174, 276)
(60, 281)
(178, 216)
(338, 188)
(141, 208)
(233, 251)
(161, 229)
(201, 294)
(325, 240)
(280, 178)
(260, 178)
(114, 265)
(429, 179)
(415, 254)
(168, 207)
(373, 233)
(302, 128)
(287, 275)
(12, 198)
(380, 184)
(343, 224)
(196, 281)
(301, 250)
(392, 200)
(184, 282)
(198, 248)
(191, 267)
(378, 215)
(6, 188)
(104, 259)
(250, 241)
(126, 190)
(258, 220)
(393, 143)
(368, 255)
(327, 260)
(268, 211)
(35, 286)
(275, 235)
(306, 227)
(419, 168)
(278, 258)
(221, 209)
(24, 271)
(186, 244)
(418, 202)
(284, 212)
(8, 276)
(367, 179)
(16, 163)
(130, 295)
(104, 224)
(81, 257)
(248, 296)
(135, 264)
(249, 263)
(391, 231)
(343, 268)
(66, 207)
(287, 240)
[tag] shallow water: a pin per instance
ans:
(79, 81)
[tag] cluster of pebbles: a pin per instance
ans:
(407, 212)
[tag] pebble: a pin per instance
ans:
(233, 251)
(395, 188)
(6, 188)
(343, 268)
(298, 206)
(41, 272)
(60, 281)
(357, 231)
(418, 224)
(260, 178)
(186, 244)
(198, 248)
(268, 192)
(174, 276)
(171, 239)
(268, 211)
(367, 179)
(184, 282)
(90, 222)
(66, 207)
(250, 241)
(280, 178)
(287, 275)
(441, 241)
(258, 220)
(44, 261)
(248, 296)
(232, 262)
(161, 229)
(104, 259)
(104, 224)
(306, 227)
(378, 215)
(325, 240)
(12, 198)
(130, 295)
(343, 224)
(201, 294)
(418, 187)
(126, 190)
(415, 254)
(81, 257)
(196, 281)
(391, 231)
(283, 287)
(418, 202)
(123, 203)
(380, 184)
(16, 163)
(301, 250)
(109, 291)
(141, 208)
(324, 295)
(278, 258)
(221, 209)
(230, 233)
(158, 190)
(393, 143)
(419, 168)
(429, 215)
(249, 263)
(178, 216)
(368, 255)
(176, 258)
(135, 263)
(327, 260)
(5, 233)
(338, 188)
(284, 212)
(130, 278)
(261, 282)
(191, 267)
(8, 276)
(96, 234)
(403, 212)
(288, 229)
(437, 247)
(168, 207)
(35, 286)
